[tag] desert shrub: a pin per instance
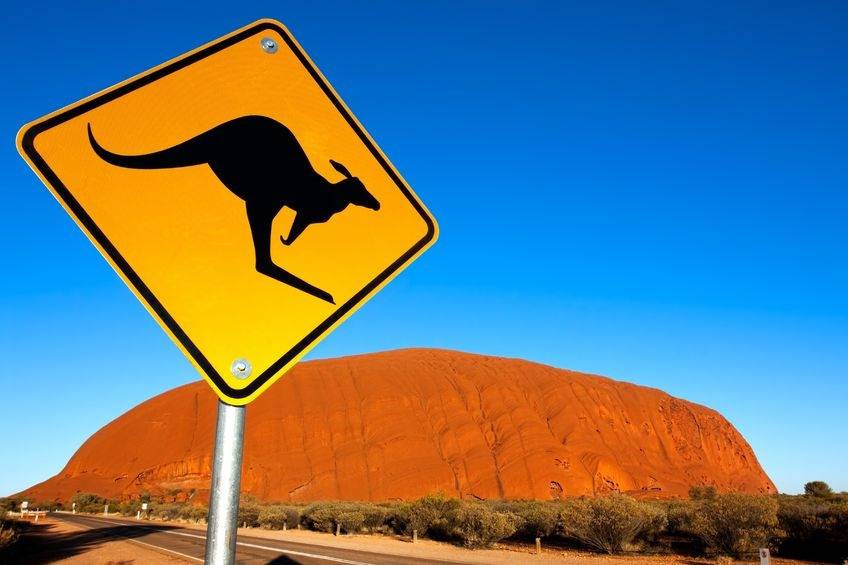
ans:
(88, 502)
(677, 514)
(350, 521)
(351, 517)
(9, 503)
(272, 517)
(165, 510)
(814, 530)
(478, 525)
(8, 533)
(162, 510)
(14, 504)
(321, 516)
(818, 488)
(735, 524)
(193, 513)
(610, 523)
(428, 515)
(49, 505)
(374, 516)
(276, 516)
(538, 519)
(129, 507)
(702, 492)
(248, 513)
(397, 517)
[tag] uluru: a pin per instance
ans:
(403, 424)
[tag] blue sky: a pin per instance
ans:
(651, 191)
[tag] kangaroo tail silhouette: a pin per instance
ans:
(190, 152)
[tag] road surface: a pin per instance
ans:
(190, 544)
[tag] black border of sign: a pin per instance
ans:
(27, 143)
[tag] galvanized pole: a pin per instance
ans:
(226, 480)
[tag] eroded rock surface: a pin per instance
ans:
(402, 424)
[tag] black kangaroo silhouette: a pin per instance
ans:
(259, 160)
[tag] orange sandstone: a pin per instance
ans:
(402, 424)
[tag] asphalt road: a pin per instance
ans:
(190, 544)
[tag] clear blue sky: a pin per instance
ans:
(657, 192)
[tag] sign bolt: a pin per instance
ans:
(241, 368)
(268, 45)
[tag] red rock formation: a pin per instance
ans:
(406, 423)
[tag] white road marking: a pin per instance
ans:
(165, 549)
(303, 554)
(241, 543)
(149, 544)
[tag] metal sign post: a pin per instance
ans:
(226, 480)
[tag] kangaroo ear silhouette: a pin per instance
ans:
(341, 168)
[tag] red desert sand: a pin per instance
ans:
(403, 424)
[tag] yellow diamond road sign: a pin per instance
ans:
(238, 197)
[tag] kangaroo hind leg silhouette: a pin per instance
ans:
(300, 223)
(261, 217)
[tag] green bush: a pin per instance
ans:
(49, 505)
(813, 529)
(697, 492)
(9, 503)
(477, 525)
(397, 518)
(539, 519)
(428, 515)
(168, 511)
(276, 516)
(818, 488)
(129, 507)
(678, 515)
(350, 521)
(351, 517)
(321, 516)
(91, 503)
(375, 517)
(735, 524)
(610, 523)
(8, 533)
(193, 513)
(248, 513)
(165, 511)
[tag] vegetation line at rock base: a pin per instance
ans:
(812, 526)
